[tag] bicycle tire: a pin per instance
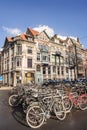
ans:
(83, 103)
(35, 121)
(13, 100)
(67, 104)
(60, 111)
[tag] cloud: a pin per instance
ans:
(62, 37)
(48, 30)
(12, 31)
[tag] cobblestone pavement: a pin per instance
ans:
(13, 119)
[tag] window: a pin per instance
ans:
(5, 65)
(66, 69)
(53, 58)
(67, 60)
(18, 61)
(49, 70)
(44, 58)
(61, 60)
(62, 70)
(12, 51)
(12, 62)
(30, 38)
(38, 56)
(44, 70)
(19, 49)
(29, 63)
(29, 50)
(58, 70)
(54, 69)
(57, 60)
(48, 57)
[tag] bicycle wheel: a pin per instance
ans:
(13, 100)
(35, 116)
(67, 104)
(83, 103)
(60, 111)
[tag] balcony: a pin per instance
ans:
(44, 63)
(71, 67)
(57, 53)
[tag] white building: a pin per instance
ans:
(34, 57)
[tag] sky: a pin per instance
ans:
(62, 17)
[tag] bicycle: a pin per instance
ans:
(78, 100)
(38, 112)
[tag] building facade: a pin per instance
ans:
(35, 57)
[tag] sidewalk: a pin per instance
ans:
(5, 88)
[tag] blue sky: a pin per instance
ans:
(64, 17)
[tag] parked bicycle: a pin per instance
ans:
(40, 111)
(78, 100)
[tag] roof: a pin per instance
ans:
(33, 32)
(23, 36)
(9, 39)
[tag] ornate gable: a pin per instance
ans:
(43, 36)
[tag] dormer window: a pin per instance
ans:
(30, 38)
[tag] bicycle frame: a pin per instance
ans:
(76, 100)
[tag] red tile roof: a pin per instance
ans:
(33, 32)
(9, 39)
(23, 36)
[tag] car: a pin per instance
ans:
(49, 82)
(66, 81)
(45, 83)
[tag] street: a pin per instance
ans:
(13, 119)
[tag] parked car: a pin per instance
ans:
(66, 81)
(50, 82)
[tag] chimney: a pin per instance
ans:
(78, 40)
